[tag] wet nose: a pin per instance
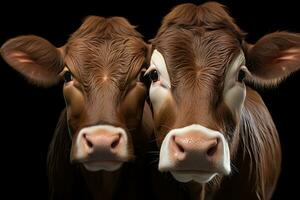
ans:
(101, 144)
(204, 148)
(194, 151)
(105, 141)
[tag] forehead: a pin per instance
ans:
(104, 46)
(196, 51)
(103, 52)
(95, 58)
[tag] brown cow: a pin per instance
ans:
(214, 131)
(102, 65)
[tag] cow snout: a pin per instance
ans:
(192, 146)
(194, 153)
(102, 142)
(101, 147)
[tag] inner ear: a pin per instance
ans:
(274, 57)
(35, 58)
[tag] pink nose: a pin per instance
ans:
(101, 141)
(195, 151)
(102, 145)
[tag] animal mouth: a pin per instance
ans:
(200, 176)
(99, 162)
(206, 172)
(107, 165)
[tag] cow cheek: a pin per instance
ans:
(133, 104)
(74, 103)
(158, 96)
(73, 152)
(164, 119)
(234, 98)
(74, 100)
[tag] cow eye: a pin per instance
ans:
(241, 75)
(68, 76)
(153, 75)
(144, 78)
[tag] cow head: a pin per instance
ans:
(199, 68)
(101, 66)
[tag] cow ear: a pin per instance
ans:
(273, 57)
(35, 58)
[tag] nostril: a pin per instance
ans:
(213, 148)
(88, 142)
(116, 141)
(179, 146)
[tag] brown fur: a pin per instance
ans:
(258, 157)
(198, 44)
(34, 57)
(105, 57)
(198, 47)
(279, 52)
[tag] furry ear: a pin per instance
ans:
(35, 58)
(274, 57)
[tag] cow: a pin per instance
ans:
(106, 123)
(216, 136)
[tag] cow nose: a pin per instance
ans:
(193, 143)
(204, 147)
(101, 147)
(101, 141)
(195, 151)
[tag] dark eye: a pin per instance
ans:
(241, 75)
(153, 76)
(144, 78)
(68, 76)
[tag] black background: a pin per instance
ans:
(29, 114)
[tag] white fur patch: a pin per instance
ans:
(159, 90)
(166, 163)
(106, 165)
(234, 92)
